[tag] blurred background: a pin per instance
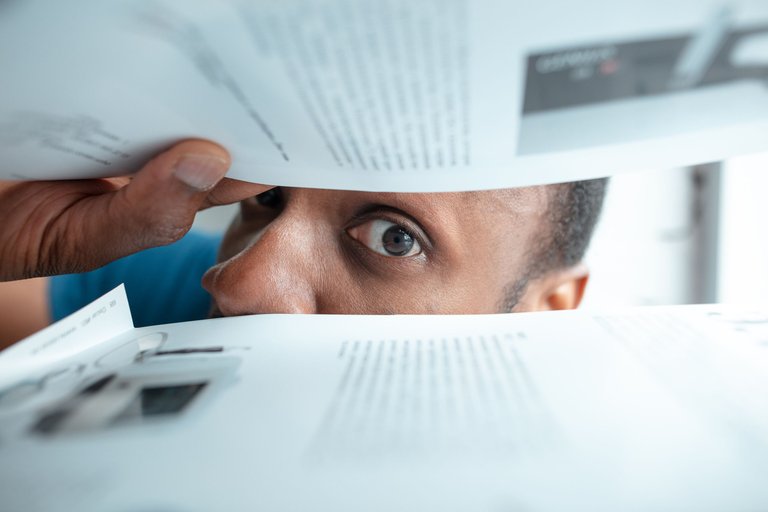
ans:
(683, 236)
(677, 236)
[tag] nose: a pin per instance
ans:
(273, 274)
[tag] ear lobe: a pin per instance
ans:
(563, 289)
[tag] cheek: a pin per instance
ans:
(472, 292)
(402, 295)
(357, 293)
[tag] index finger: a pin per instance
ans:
(230, 190)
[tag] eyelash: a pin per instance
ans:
(394, 219)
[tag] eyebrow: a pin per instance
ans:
(421, 207)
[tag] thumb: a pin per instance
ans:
(159, 205)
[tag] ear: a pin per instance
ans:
(561, 289)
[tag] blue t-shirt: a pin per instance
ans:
(163, 284)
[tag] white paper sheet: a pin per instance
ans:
(84, 329)
(646, 409)
(398, 96)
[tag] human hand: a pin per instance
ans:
(59, 227)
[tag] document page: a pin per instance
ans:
(644, 409)
(438, 95)
(88, 327)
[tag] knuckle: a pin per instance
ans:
(168, 234)
(155, 225)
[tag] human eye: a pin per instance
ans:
(262, 207)
(386, 238)
(271, 199)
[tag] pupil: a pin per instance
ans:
(272, 198)
(397, 241)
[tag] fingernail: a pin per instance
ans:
(201, 172)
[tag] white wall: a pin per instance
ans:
(743, 254)
(659, 226)
(642, 247)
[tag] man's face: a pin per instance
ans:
(320, 251)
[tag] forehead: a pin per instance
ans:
(517, 201)
(517, 204)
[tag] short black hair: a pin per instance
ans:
(572, 214)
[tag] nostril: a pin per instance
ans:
(208, 279)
